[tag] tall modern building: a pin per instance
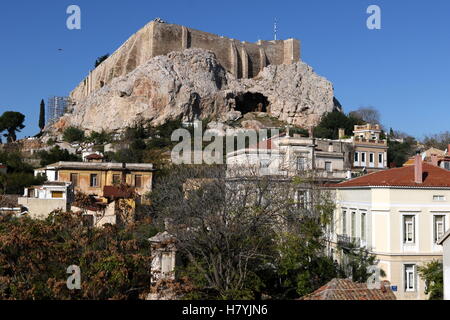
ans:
(56, 107)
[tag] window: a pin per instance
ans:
(438, 198)
(74, 179)
(300, 164)
(447, 165)
(356, 156)
(344, 222)
(354, 224)
(94, 180)
(116, 179)
(363, 158)
(371, 157)
(57, 194)
(328, 167)
(439, 227)
(380, 159)
(363, 226)
(138, 181)
(301, 199)
(410, 277)
(408, 226)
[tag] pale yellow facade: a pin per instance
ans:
(400, 225)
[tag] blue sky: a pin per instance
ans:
(403, 69)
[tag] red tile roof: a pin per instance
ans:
(344, 289)
(401, 177)
(94, 156)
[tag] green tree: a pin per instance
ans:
(400, 152)
(12, 122)
(42, 115)
(72, 134)
(357, 261)
(331, 122)
(433, 275)
(56, 154)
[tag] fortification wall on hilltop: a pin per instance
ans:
(242, 59)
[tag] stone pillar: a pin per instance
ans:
(245, 61)
(163, 257)
(184, 38)
(233, 59)
(262, 59)
(291, 51)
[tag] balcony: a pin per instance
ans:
(346, 241)
(359, 140)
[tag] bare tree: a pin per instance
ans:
(440, 141)
(367, 114)
(227, 224)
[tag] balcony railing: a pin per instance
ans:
(370, 141)
(345, 240)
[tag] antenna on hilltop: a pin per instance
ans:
(275, 29)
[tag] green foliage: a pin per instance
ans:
(331, 122)
(100, 137)
(12, 122)
(56, 154)
(358, 260)
(73, 134)
(100, 59)
(399, 153)
(433, 275)
(303, 267)
(51, 142)
(15, 182)
(35, 254)
(42, 115)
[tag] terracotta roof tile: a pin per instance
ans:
(401, 177)
(344, 289)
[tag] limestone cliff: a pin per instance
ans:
(193, 85)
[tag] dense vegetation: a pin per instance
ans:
(34, 257)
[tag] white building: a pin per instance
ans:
(40, 201)
(399, 215)
(290, 156)
(445, 243)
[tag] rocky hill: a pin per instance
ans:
(193, 85)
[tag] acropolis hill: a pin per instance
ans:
(241, 59)
(167, 71)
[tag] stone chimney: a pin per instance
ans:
(448, 150)
(434, 160)
(418, 169)
(341, 133)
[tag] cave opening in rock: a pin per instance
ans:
(252, 102)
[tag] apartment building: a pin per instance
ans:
(370, 151)
(399, 215)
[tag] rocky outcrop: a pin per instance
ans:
(191, 84)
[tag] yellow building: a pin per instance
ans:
(92, 177)
(399, 215)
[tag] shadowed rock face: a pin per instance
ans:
(191, 84)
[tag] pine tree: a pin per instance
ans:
(42, 116)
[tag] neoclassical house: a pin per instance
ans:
(399, 215)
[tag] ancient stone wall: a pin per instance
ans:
(242, 59)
